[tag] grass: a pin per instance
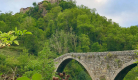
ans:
(11, 51)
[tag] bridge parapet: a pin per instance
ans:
(117, 53)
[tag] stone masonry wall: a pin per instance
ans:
(101, 64)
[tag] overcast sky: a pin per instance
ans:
(123, 12)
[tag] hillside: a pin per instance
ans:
(63, 29)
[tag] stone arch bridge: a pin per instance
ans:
(112, 65)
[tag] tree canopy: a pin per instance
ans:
(68, 28)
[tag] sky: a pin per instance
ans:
(123, 12)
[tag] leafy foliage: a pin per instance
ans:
(34, 77)
(8, 38)
(65, 28)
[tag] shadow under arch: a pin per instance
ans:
(124, 71)
(63, 64)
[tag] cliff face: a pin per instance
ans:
(52, 1)
(40, 4)
(24, 9)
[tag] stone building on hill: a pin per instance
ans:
(24, 9)
(40, 4)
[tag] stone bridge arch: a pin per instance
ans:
(121, 73)
(63, 62)
(111, 65)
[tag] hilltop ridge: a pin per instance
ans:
(40, 5)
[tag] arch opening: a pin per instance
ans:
(63, 65)
(123, 72)
(67, 61)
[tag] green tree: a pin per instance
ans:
(67, 4)
(84, 43)
(47, 64)
(83, 76)
(62, 42)
(41, 24)
(95, 47)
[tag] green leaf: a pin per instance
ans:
(17, 32)
(36, 76)
(28, 33)
(23, 78)
(10, 32)
(21, 33)
(16, 42)
(16, 29)
(4, 35)
(4, 39)
(13, 38)
(24, 31)
(0, 32)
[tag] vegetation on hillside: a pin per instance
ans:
(65, 28)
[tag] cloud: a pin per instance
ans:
(15, 5)
(101, 1)
(121, 11)
(92, 3)
(125, 19)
